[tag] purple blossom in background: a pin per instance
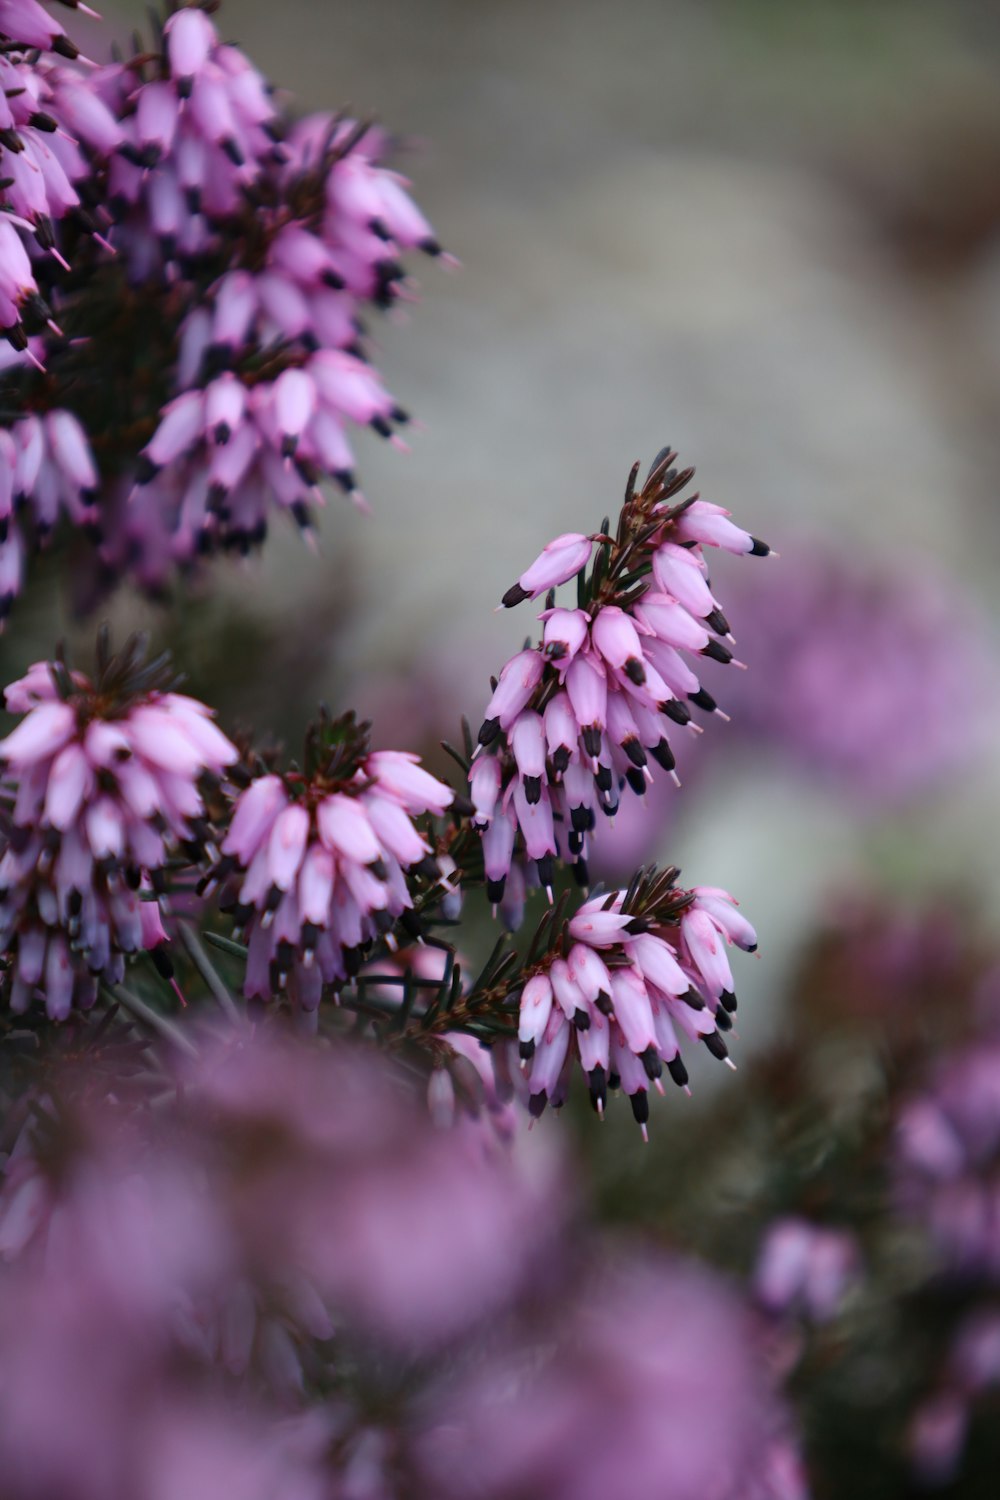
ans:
(101, 787)
(805, 1268)
(948, 1161)
(867, 674)
(939, 1428)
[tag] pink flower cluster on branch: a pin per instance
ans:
(198, 125)
(578, 717)
(631, 977)
(314, 863)
(215, 363)
(102, 786)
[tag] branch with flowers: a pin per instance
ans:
(220, 960)
(127, 804)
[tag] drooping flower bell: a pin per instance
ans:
(633, 975)
(315, 860)
(198, 126)
(41, 162)
(581, 715)
(103, 782)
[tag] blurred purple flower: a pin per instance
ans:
(165, 1314)
(939, 1428)
(863, 673)
(948, 1160)
(649, 1382)
(806, 1268)
(411, 1232)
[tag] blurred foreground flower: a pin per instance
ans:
(223, 1295)
(651, 1383)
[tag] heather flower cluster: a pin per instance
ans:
(274, 1220)
(636, 974)
(578, 717)
(322, 858)
(190, 357)
(102, 785)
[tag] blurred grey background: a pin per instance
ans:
(767, 232)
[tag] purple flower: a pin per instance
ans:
(47, 472)
(939, 1427)
(323, 861)
(246, 250)
(27, 26)
(368, 1200)
(648, 1381)
(41, 162)
(324, 231)
(197, 125)
(625, 989)
(224, 455)
(948, 1160)
(854, 662)
(104, 1390)
(576, 718)
(805, 1267)
(102, 779)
